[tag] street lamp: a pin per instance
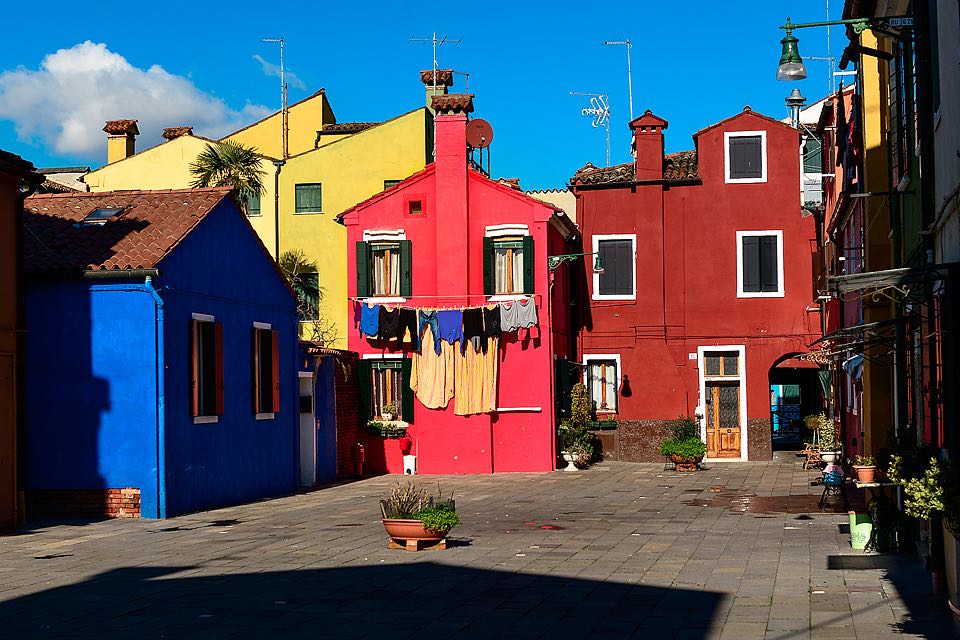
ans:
(791, 64)
(555, 261)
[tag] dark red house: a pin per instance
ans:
(704, 300)
(449, 240)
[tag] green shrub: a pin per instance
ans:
(404, 500)
(574, 433)
(684, 428)
(440, 518)
(686, 448)
(863, 461)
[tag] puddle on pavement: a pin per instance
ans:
(747, 503)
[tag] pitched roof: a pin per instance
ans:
(346, 127)
(746, 110)
(677, 167)
(150, 225)
(13, 164)
(321, 92)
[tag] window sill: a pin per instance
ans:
(745, 180)
(254, 215)
(264, 416)
(306, 213)
(600, 296)
(383, 300)
(206, 419)
(509, 297)
(760, 294)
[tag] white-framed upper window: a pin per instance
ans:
(745, 156)
(602, 377)
(619, 278)
(760, 264)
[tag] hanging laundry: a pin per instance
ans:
(408, 326)
(389, 323)
(475, 381)
(428, 318)
(472, 329)
(491, 321)
(526, 313)
(432, 377)
(509, 316)
(369, 319)
(451, 324)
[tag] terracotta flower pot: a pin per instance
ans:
(866, 474)
(681, 463)
(409, 529)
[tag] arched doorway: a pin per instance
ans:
(795, 392)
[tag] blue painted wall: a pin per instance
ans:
(221, 269)
(91, 388)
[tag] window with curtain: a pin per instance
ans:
(385, 268)
(386, 387)
(602, 384)
(508, 265)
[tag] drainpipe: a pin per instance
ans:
(161, 409)
(20, 371)
(276, 208)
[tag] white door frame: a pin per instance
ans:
(741, 378)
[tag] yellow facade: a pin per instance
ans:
(349, 167)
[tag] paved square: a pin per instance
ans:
(633, 551)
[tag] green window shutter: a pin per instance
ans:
(308, 198)
(528, 262)
(406, 268)
(253, 204)
(364, 373)
(363, 269)
(406, 399)
(488, 267)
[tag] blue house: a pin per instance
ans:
(161, 355)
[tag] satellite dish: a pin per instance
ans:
(479, 133)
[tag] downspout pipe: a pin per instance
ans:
(276, 208)
(161, 408)
(28, 188)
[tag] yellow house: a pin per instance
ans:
(329, 167)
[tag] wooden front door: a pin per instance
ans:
(723, 419)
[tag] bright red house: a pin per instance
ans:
(704, 301)
(450, 239)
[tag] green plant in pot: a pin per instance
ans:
(577, 444)
(412, 515)
(684, 448)
(388, 411)
(866, 468)
(829, 438)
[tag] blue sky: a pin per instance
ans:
(179, 63)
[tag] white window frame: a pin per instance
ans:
(632, 237)
(741, 377)
(507, 231)
(779, 293)
(384, 235)
(727, 135)
(587, 358)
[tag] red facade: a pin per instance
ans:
(705, 295)
(444, 220)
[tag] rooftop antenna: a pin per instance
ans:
(599, 109)
(437, 42)
(284, 147)
(629, 74)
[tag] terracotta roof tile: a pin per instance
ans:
(444, 77)
(150, 225)
(677, 167)
(116, 127)
(346, 127)
(170, 133)
(452, 103)
(13, 164)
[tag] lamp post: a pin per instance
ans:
(555, 261)
(791, 64)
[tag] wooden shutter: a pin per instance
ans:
(194, 368)
(406, 268)
(751, 264)
(308, 197)
(746, 157)
(363, 269)
(489, 267)
(218, 359)
(275, 370)
(364, 371)
(528, 261)
(768, 264)
(406, 393)
(256, 371)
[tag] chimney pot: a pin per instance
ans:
(172, 133)
(443, 83)
(648, 146)
(121, 139)
(452, 103)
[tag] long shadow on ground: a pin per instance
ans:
(419, 599)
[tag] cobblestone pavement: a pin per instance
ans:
(635, 551)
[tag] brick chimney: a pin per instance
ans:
(121, 139)
(172, 133)
(444, 82)
(648, 146)
(451, 179)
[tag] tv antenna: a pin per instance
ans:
(437, 42)
(283, 101)
(599, 109)
(629, 74)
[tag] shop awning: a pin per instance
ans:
(902, 278)
(848, 332)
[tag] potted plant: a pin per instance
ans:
(829, 438)
(388, 411)
(684, 448)
(413, 519)
(866, 468)
(577, 444)
(377, 428)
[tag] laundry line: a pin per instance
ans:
(445, 307)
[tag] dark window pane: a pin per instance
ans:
(812, 155)
(618, 267)
(711, 365)
(207, 368)
(751, 264)
(389, 183)
(731, 363)
(746, 157)
(729, 407)
(253, 205)
(308, 198)
(768, 264)
(264, 373)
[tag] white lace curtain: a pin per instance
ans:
(386, 272)
(509, 270)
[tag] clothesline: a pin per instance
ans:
(444, 307)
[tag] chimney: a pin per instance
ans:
(172, 133)
(121, 139)
(648, 146)
(443, 83)
(451, 199)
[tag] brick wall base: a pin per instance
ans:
(84, 503)
(639, 440)
(759, 440)
(348, 411)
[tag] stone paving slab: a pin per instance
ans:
(637, 551)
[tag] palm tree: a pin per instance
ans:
(302, 274)
(229, 164)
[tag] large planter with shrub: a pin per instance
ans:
(685, 448)
(415, 520)
(577, 444)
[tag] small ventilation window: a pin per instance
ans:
(415, 207)
(100, 216)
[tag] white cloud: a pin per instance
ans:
(270, 69)
(65, 102)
